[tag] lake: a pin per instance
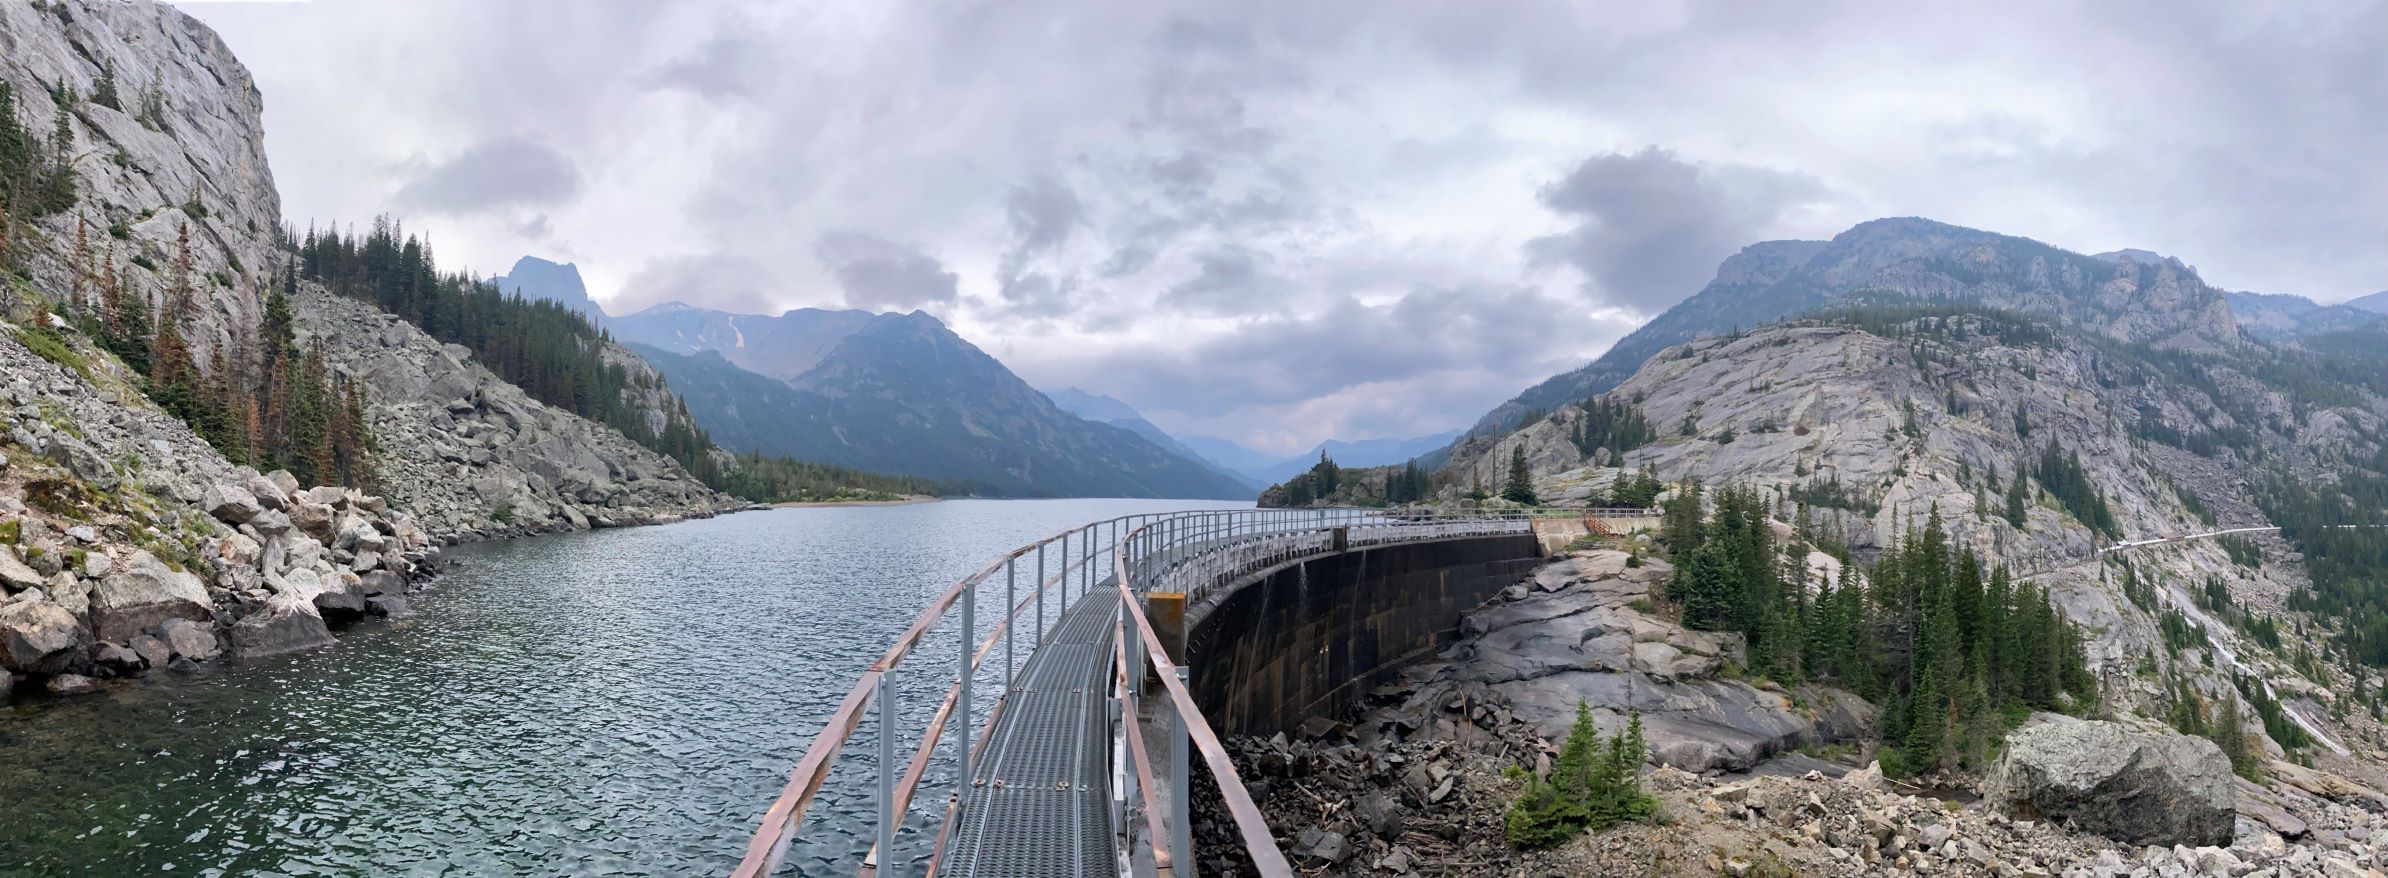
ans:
(621, 702)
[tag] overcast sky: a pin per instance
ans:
(1283, 222)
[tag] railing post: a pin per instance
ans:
(887, 773)
(1181, 786)
(1040, 595)
(1011, 627)
(963, 703)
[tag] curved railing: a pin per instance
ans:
(1193, 553)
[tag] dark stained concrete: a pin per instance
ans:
(1310, 638)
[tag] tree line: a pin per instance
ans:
(1954, 652)
(260, 398)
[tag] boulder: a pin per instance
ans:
(143, 594)
(271, 523)
(283, 480)
(118, 659)
(231, 504)
(73, 684)
(97, 564)
(286, 623)
(392, 606)
(268, 493)
(192, 640)
(381, 582)
(38, 637)
(238, 551)
(327, 495)
(14, 575)
(153, 652)
(2144, 788)
(311, 517)
(341, 600)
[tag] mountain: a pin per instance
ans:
(1229, 454)
(2376, 303)
(2130, 296)
(535, 278)
(1092, 406)
(781, 347)
(1363, 453)
(2273, 316)
(1106, 410)
(2090, 423)
(904, 394)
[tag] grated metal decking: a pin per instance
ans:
(1039, 804)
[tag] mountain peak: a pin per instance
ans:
(559, 282)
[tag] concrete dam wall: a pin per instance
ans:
(1311, 637)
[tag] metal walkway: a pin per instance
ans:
(1039, 804)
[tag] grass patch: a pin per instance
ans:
(48, 344)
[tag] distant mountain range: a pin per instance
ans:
(1259, 468)
(894, 393)
(1106, 410)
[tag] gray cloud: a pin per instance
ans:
(1228, 281)
(1350, 156)
(727, 281)
(1651, 227)
(729, 65)
(880, 274)
(494, 175)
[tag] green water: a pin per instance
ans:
(614, 703)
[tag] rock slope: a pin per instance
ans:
(472, 456)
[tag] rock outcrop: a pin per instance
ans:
(1584, 629)
(2140, 787)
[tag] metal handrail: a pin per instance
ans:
(1192, 552)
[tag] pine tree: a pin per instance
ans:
(1520, 487)
(104, 94)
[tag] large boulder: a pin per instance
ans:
(2144, 788)
(286, 623)
(38, 637)
(144, 593)
(231, 504)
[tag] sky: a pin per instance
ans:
(1285, 222)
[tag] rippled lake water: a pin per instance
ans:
(614, 703)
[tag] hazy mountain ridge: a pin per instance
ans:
(1106, 410)
(904, 394)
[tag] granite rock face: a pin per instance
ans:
(1577, 632)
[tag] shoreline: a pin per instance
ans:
(826, 504)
